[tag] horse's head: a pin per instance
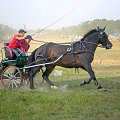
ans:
(103, 38)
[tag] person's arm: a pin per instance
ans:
(20, 38)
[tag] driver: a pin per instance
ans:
(14, 43)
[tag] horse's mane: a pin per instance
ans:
(89, 33)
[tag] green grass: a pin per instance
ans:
(74, 102)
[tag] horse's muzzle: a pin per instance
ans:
(109, 46)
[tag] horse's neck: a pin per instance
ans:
(91, 43)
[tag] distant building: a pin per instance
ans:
(116, 36)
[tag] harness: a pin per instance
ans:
(82, 49)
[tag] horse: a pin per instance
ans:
(78, 54)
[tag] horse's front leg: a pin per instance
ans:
(31, 76)
(84, 82)
(88, 68)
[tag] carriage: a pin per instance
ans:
(12, 71)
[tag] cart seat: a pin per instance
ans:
(8, 52)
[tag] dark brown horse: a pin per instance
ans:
(77, 55)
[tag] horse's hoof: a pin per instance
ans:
(32, 88)
(54, 87)
(102, 89)
(83, 82)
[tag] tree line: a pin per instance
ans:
(81, 29)
(112, 26)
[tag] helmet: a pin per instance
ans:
(29, 37)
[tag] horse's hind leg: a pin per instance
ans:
(46, 74)
(88, 68)
(32, 74)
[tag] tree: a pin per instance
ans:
(6, 32)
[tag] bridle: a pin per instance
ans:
(100, 36)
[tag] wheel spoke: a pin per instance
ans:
(6, 76)
(15, 84)
(17, 81)
(17, 78)
(16, 74)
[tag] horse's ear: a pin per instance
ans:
(98, 28)
(104, 28)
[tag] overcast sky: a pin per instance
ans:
(41, 13)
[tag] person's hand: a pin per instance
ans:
(24, 36)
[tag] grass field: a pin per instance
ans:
(71, 101)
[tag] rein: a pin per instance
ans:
(64, 42)
(90, 42)
(48, 42)
(39, 41)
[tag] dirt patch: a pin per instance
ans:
(1, 86)
(110, 62)
(40, 88)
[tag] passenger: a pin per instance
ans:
(14, 43)
(24, 44)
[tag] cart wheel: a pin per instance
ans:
(26, 77)
(38, 79)
(11, 78)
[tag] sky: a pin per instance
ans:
(34, 14)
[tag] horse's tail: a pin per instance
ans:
(31, 58)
